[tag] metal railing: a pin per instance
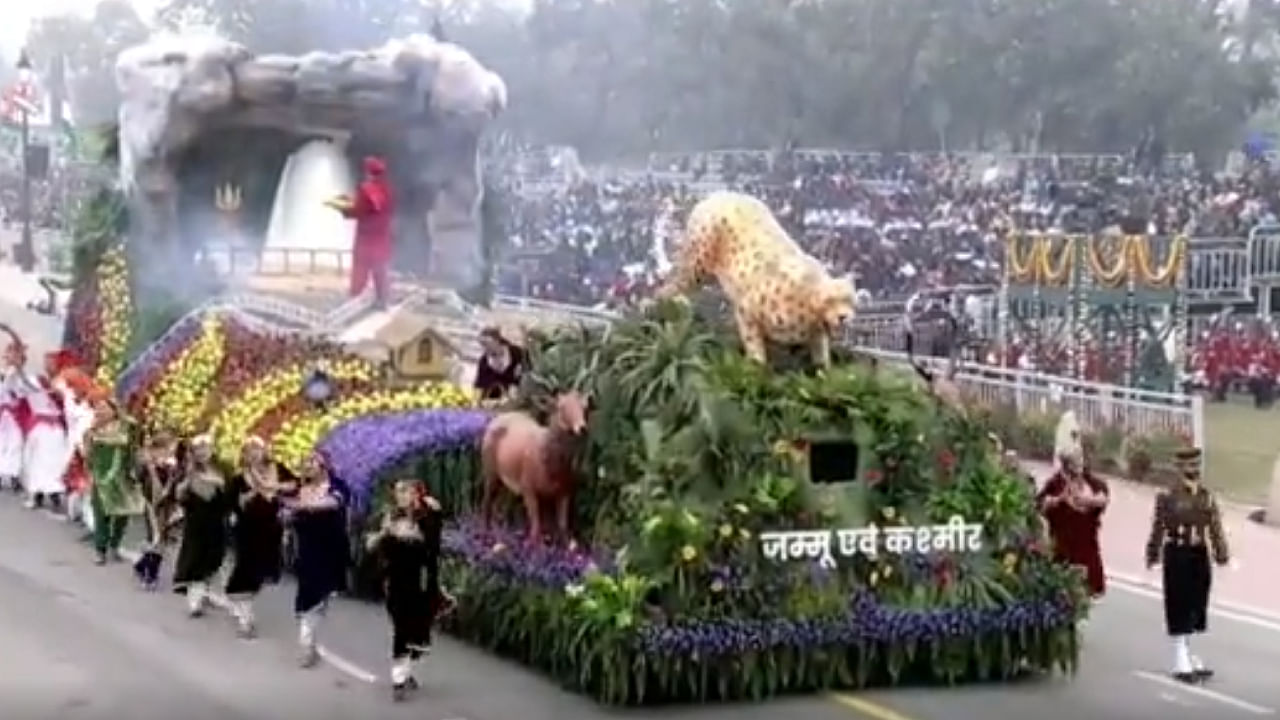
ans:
(1097, 405)
(230, 261)
(518, 304)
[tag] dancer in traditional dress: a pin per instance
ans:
(1072, 503)
(321, 551)
(78, 392)
(204, 497)
(13, 387)
(46, 451)
(258, 534)
(408, 549)
(115, 494)
(157, 473)
(1186, 531)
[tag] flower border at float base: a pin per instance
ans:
(363, 448)
(582, 619)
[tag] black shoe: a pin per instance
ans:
(1188, 678)
(1203, 674)
(400, 693)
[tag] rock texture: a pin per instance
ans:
(431, 99)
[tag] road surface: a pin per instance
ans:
(80, 641)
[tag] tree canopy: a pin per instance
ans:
(631, 76)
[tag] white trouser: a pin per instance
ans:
(1184, 660)
(242, 610)
(309, 626)
(401, 670)
(197, 595)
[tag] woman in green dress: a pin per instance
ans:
(115, 495)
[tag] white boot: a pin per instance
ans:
(308, 628)
(243, 611)
(401, 677)
(1182, 667)
(1198, 667)
(197, 593)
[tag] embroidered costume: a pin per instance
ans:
(258, 535)
(1186, 533)
(205, 501)
(321, 554)
(408, 550)
(115, 495)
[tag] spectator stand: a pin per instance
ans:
(1105, 307)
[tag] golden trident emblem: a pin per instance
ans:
(228, 198)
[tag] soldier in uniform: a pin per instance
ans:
(1186, 533)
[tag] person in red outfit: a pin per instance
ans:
(1072, 503)
(372, 207)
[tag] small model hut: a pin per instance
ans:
(405, 344)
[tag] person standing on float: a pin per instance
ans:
(46, 452)
(13, 387)
(322, 551)
(202, 493)
(114, 495)
(258, 534)
(372, 207)
(1187, 538)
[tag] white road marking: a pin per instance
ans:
(1176, 700)
(1206, 693)
(336, 661)
(1247, 616)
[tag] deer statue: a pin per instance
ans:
(534, 462)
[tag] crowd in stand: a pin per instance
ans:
(899, 223)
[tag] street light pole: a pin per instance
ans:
(25, 254)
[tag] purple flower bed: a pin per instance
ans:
(504, 552)
(158, 356)
(364, 447)
(866, 621)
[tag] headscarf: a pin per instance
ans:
(375, 187)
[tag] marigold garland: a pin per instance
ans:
(181, 395)
(116, 313)
(1168, 273)
(1046, 272)
(300, 435)
(1118, 273)
(1024, 270)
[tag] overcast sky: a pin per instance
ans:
(16, 16)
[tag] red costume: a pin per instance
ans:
(372, 208)
(1075, 530)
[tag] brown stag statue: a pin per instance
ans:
(534, 462)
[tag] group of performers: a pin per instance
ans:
(70, 448)
(1225, 358)
(1186, 539)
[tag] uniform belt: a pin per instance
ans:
(1183, 542)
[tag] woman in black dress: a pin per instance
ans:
(203, 495)
(408, 549)
(258, 535)
(500, 365)
(321, 551)
(157, 476)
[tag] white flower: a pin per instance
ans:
(573, 590)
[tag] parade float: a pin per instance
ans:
(738, 530)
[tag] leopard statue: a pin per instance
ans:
(779, 293)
